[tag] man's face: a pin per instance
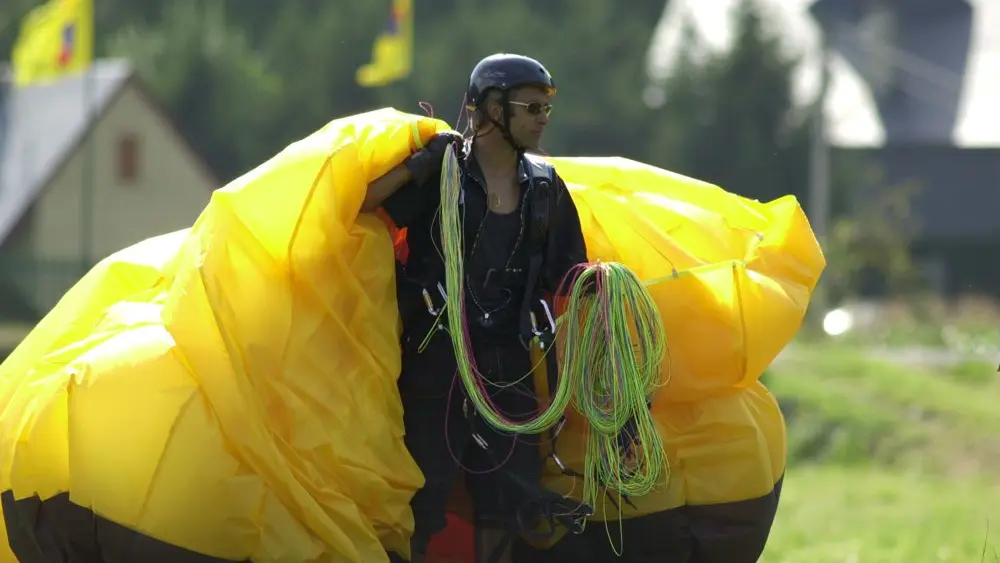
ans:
(529, 108)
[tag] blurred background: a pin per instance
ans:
(119, 117)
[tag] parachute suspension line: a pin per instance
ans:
(475, 383)
(612, 345)
(612, 342)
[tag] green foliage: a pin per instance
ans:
(729, 117)
(886, 462)
(210, 76)
(870, 515)
(845, 408)
(243, 78)
(873, 238)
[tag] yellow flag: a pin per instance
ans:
(57, 38)
(392, 53)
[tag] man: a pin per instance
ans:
(521, 235)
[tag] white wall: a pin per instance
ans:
(170, 192)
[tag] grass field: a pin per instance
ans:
(869, 515)
(888, 464)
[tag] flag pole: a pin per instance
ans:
(90, 114)
(87, 203)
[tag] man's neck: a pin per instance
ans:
(494, 154)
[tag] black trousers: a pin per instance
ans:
(443, 433)
(723, 533)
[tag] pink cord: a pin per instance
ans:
(567, 282)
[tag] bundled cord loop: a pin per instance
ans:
(611, 348)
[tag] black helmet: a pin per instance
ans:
(504, 71)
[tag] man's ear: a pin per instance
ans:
(496, 111)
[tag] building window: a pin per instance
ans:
(128, 159)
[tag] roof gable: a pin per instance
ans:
(40, 127)
(921, 71)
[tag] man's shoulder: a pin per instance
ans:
(542, 168)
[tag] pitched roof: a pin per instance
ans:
(41, 125)
(934, 62)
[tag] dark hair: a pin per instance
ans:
(481, 115)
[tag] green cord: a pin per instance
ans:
(610, 361)
(613, 352)
(475, 384)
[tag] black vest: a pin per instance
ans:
(421, 281)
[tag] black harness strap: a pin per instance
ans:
(540, 202)
(536, 321)
(541, 206)
(544, 505)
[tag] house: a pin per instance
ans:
(914, 89)
(955, 207)
(89, 164)
(851, 111)
(905, 71)
(930, 66)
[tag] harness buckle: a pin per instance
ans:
(429, 301)
(556, 430)
(576, 521)
(570, 513)
(544, 334)
(480, 441)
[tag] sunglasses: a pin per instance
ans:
(535, 108)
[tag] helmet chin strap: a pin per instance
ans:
(505, 127)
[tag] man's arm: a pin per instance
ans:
(385, 186)
(568, 248)
(418, 169)
(399, 195)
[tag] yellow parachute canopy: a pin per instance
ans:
(230, 388)
(732, 278)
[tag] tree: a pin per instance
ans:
(243, 78)
(729, 118)
(873, 241)
(219, 90)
